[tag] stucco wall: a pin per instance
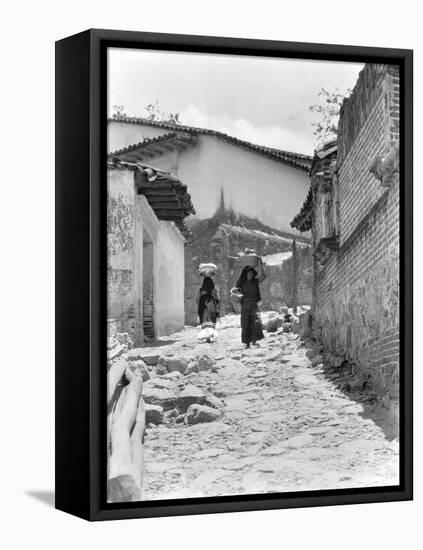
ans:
(131, 221)
(122, 134)
(121, 240)
(168, 269)
(169, 279)
(253, 185)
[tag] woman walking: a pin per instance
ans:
(208, 310)
(251, 329)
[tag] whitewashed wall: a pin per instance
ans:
(253, 185)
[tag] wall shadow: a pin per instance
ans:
(356, 390)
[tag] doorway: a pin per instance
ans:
(148, 288)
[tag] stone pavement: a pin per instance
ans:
(282, 425)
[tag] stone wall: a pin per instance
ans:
(356, 302)
(220, 239)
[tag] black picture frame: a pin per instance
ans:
(81, 273)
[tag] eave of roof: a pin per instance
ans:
(150, 147)
(303, 220)
(167, 196)
(295, 160)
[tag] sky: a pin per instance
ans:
(262, 100)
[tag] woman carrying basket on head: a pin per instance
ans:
(251, 327)
(208, 304)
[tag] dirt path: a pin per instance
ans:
(284, 427)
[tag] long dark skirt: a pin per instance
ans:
(208, 312)
(251, 327)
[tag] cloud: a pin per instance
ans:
(272, 135)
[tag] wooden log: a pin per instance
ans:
(114, 377)
(126, 435)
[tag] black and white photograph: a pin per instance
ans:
(253, 275)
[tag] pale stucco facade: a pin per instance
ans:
(145, 260)
(252, 184)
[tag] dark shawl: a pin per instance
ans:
(208, 302)
(249, 289)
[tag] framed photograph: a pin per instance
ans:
(234, 274)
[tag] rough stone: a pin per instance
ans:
(173, 363)
(273, 324)
(204, 363)
(156, 396)
(188, 396)
(153, 413)
(317, 360)
(174, 375)
(200, 413)
(149, 358)
(191, 368)
(140, 366)
(213, 401)
(161, 383)
(336, 361)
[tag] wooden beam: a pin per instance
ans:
(171, 215)
(154, 185)
(164, 202)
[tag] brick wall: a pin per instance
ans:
(356, 293)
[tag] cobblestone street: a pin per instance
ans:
(282, 424)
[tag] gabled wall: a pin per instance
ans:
(252, 184)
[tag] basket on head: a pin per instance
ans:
(207, 270)
(251, 260)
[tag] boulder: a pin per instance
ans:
(204, 363)
(335, 360)
(175, 375)
(273, 324)
(122, 337)
(149, 357)
(141, 367)
(200, 413)
(180, 418)
(153, 413)
(161, 383)
(188, 396)
(214, 402)
(310, 353)
(317, 359)
(191, 368)
(172, 413)
(172, 364)
(116, 351)
(161, 370)
(157, 396)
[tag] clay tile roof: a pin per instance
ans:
(167, 195)
(296, 160)
(150, 147)
(303, 220)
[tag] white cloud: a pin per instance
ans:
(271, 135)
